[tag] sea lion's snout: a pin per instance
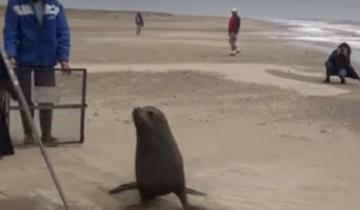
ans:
(148, 116)
(136, 112)
(137, 115)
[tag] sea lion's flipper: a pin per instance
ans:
(195, 192)
(123, 187)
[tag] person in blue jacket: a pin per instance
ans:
(37, 36)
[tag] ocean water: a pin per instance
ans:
(324, 35)
(319, 31)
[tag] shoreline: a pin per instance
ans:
(321, 35)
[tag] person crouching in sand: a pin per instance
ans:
(233, 29)
(339, 64)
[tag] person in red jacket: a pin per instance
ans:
(233, 29)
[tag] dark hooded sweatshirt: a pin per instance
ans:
(341, 61)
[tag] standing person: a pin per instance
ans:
(339, 64)
(139, 21)
(37, 37)
(233, 29)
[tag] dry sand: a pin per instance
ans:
(257, 131)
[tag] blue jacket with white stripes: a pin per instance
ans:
(31, 42)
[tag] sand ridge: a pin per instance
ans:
(252, 73)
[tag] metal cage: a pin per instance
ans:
(81, 106)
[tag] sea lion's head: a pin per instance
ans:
(149, 118)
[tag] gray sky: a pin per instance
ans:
(322, 9)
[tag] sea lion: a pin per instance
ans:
(159, 164)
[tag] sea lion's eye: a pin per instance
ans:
(150, 113)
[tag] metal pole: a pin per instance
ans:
(25, 108)
(83, 102)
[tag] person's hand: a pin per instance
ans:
(12, 61)
(65, 67)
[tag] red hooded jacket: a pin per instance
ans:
(234, 24)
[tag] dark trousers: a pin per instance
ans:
(331, 71)
(6, 147)
(41, 78)
(138, 29)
